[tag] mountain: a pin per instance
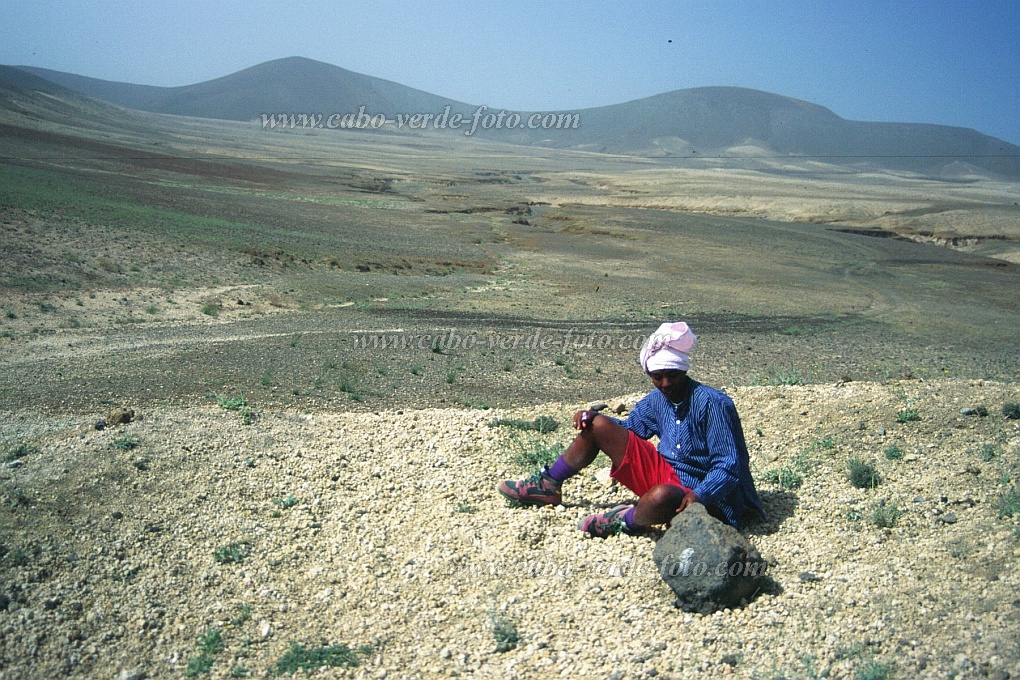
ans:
(702, 122)
(291, 85)
(19, 78)
(739, 122)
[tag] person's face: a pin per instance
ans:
(670, 383)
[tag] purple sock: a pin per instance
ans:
(561, 470)
(628, 518)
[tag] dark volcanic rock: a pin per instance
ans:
(707, 563)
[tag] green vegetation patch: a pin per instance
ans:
(198, 665)
(18, 451)
(784, 478)
(1008, 502)
(533, 452)
(791, 475)
(863, 474)
(301, 658)
(74, 198)
(541, 424)
(505, 633)
(908, 415)
(125, 443)
(779, 377)
(288, 501)
(209, 645)
(893, 452)
(232, 553)
(874, 670)
(232, 403)
(885, 515)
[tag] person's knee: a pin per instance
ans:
(667, 496)
(608, 433)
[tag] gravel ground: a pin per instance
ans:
(220, 545)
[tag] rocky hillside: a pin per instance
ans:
(227, 541)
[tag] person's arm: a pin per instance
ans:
(724, 438)
(639, 420)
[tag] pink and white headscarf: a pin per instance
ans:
(667, 348)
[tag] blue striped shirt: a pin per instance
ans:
(704, 442)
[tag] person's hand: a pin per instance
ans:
(584, 419)
(689, 499)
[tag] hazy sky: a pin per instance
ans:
(953, 62)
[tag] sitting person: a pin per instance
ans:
(701, 455)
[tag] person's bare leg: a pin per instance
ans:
(658, 505)
(604, 435)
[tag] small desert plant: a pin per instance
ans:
(465, 508)
(301, 658)
(908, 415)
(863, 474)
(515, 423)
(232, 553)
(849, 651)
(243, 615)
(827, 442)
(210, 643)
(211, 309)
(545, 424)
(784, 478)
(198, 665)
(532, 452)
(125, 443)
(987, 452)
(541, 424)
(232, 403)
(416, 369)
(874, 670)
(885, 515)
(779, 377)
(18, 451)
(505, 633)
(1011, 410)
(784, 378)
(288, 501)
(1008, 502)
(451, 377)
(508, 365)
(893, 452)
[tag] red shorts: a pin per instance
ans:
(642, 467)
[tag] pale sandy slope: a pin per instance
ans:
(397, 544)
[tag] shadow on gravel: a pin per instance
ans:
(779, 506)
